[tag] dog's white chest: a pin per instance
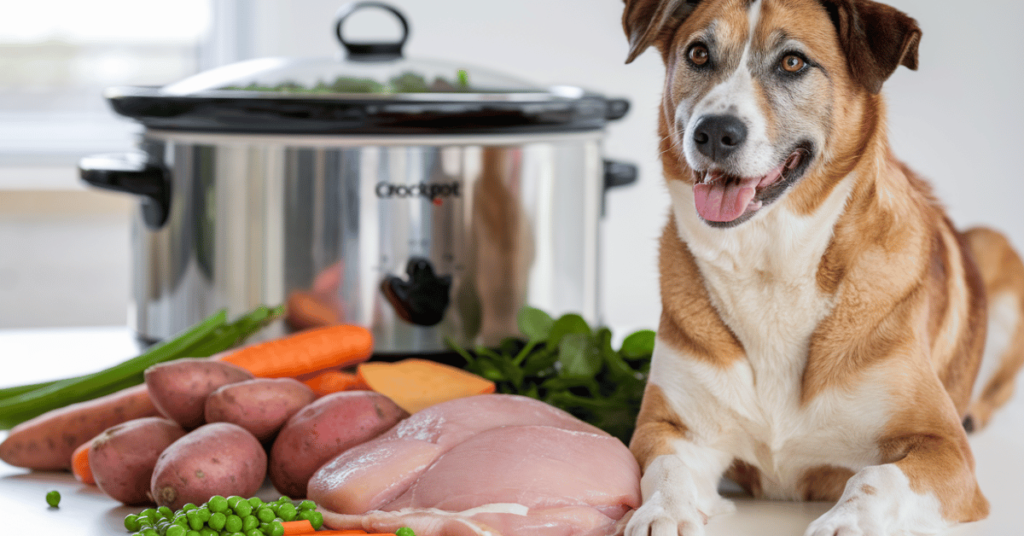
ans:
(761, 278)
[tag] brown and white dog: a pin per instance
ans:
(823, 323)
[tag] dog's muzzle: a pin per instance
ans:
(719, 136)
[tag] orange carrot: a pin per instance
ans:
(80, 464)
(301, 526)
(306, 352)
(334, 381)
(415, 384)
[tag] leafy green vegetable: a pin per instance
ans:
(567, 364)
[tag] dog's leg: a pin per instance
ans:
(1003, 274)
(680, 478)
(930, 489)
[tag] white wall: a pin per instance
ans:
(955, 120)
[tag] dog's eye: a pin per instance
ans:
(698, 55)
(793, 63)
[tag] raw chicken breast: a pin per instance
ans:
(489, 464)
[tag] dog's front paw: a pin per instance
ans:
(878, 501)
(845, 522)
(662, 516)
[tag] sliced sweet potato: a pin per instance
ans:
(415, 384)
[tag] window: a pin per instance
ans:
(58, 56)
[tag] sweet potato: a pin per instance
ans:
(47, 442)
(122, 457)
(324, 429)
(179, 388)
(215, 459)
(261, 406)
(416, 384)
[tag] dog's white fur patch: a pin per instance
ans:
(1003, 317)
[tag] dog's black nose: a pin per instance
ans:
(718, 136)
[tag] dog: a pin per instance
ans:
(823, 325)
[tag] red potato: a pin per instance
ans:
(122, 458)
(324, 429)
(47, 442)
(179, 388)
(261, 406)
(215, 459)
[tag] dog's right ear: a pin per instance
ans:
(646, 20)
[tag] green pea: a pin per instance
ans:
(150, 532)
(307, 505)
(192, 533)
(217, 504)
(287, 511)
(274, 507)
(254, 532)
(217, 521)
(317, 521)
(165, 511)
(194, 521)
(276, 529)
(242, 508)
(250, 522)
(175, 530)
(265, 528)
(53, 498)
(255, 502)
(149, 513)
(265, 514)
(233, 500)
(208, 532)
(233, 524)
(204, 514)
(284, 498)
(131, 523)
(405, 531)
(188, 506)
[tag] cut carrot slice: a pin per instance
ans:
(415, 384)
(302, 526)
(80, 464)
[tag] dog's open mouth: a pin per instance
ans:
(725, 199)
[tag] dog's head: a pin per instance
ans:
(759, 92)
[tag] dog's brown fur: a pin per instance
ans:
(909, 289)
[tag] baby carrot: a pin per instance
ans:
(334, 381)
(80, 464)
(306, 352)
(301, 526)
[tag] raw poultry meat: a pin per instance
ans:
(490, 464)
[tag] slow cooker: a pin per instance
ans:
(426, 200)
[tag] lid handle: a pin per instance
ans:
(374, 51)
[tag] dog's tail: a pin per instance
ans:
(1003, 273)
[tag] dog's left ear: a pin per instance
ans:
(646, 20)
(876, 38)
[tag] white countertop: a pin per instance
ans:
(39, 355)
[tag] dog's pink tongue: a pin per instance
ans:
(723, 201)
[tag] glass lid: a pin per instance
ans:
(366, 70)
(372, 89)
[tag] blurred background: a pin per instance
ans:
(64, 250)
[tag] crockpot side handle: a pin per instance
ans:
(132, 173)
(617, 174)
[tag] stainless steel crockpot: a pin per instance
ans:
(424, 200)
